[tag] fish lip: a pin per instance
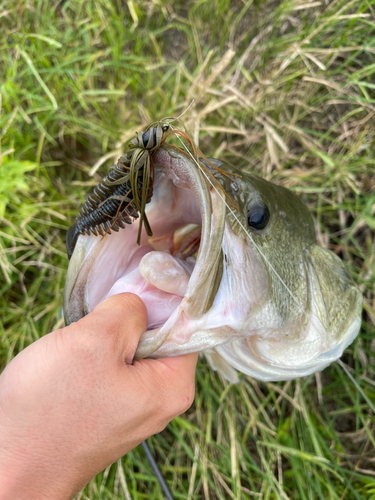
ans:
(212, 210)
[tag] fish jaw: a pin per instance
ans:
(242, 293)
(103, 266)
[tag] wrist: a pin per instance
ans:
(26, 475)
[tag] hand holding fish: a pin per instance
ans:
(72, 403)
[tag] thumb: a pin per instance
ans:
(118, 323)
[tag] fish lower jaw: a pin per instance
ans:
(160, 276)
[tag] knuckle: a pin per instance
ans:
(183, 399)
(187, 398)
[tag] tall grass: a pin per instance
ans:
(285, 89)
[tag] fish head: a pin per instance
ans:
(232, 269)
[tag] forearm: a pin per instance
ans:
(30, 473)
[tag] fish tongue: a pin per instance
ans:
(166, 272)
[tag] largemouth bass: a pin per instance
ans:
(249, 286)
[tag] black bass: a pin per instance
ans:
(249, 286)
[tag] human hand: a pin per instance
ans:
(72, 403)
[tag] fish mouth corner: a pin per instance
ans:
(172, 270)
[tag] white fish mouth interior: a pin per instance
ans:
(159, 269)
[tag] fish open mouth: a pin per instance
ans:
(264, 302)
(171, 271)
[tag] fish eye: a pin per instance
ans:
(258, 216)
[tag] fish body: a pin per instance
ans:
(245, 282)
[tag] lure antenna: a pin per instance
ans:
(182, 114)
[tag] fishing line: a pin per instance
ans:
(240, 224)
(157, 472)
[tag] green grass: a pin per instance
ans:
(282, 88)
